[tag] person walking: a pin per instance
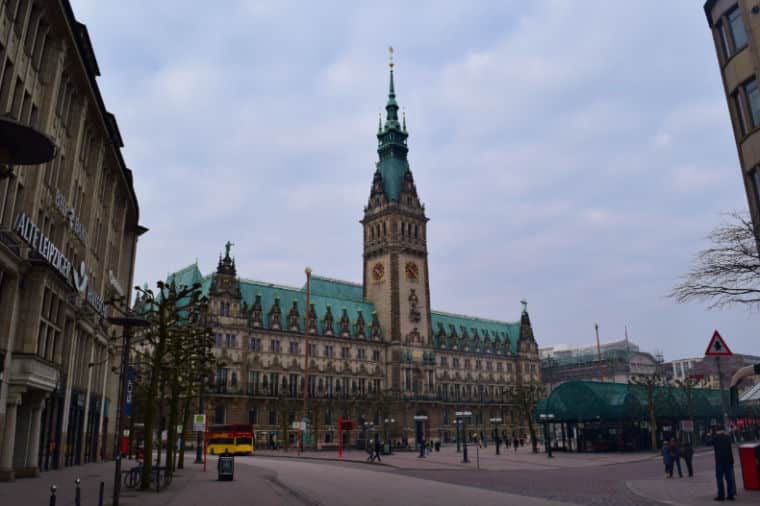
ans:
(687, 452)
(515, 443)
(667, 459)
(675, 454)
(724, 464)
(378, 446)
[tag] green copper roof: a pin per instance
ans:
(338, 295)
(336, 288)
(478, 330)
(483, 335)
(187, 276)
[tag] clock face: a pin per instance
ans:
(378, 271)
(412, 271)
(225, 283)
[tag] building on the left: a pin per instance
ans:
(68, 237)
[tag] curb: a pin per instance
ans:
(325, 459)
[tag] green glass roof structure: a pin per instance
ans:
(579, 401)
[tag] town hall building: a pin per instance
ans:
(378, 354)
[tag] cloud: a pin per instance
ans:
(578, 167)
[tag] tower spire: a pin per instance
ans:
(391, 119)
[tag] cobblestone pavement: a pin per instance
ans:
(440, 479)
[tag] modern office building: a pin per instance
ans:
(68, 233)
(735, 26)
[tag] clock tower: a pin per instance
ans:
(395, 242)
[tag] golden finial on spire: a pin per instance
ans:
(390, 51)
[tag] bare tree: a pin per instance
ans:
(727, 272)
(649, 384)
(524, 398)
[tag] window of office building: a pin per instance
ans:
(736, 24)
(754, 176)
(753, 101)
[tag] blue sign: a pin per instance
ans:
(129, 392)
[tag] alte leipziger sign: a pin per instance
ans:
(40, 243)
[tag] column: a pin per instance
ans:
(83, 457)
(32, 449)
(11, 313)
(9, 438)
(67, 395)
(99, 450)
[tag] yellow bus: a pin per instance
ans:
(236, 439)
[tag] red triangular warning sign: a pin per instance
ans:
(717, 347)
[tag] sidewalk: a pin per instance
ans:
(190, 487)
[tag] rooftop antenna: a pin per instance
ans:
(599, 353)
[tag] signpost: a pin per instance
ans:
(718, 348)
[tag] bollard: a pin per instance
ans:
(52, 495)
(100, 494)
(77, 494)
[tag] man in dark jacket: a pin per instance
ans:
(378, 447)
(724, 464)
(687, 452)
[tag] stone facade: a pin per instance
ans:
(378, 354)
(68, 234)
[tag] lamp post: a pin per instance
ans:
(495, 422)
(385, 434)
(457, 422)
(306, 351)
(462, 417)
(126, 322)
(201, 410)
(546, 419)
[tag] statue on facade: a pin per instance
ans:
(414, 313)
(327, 322)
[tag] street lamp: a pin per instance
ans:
(457, 422)
(306, 319)
(126, 322)
(420, 420)
(462, 417)
(385, 434)
(546, 419)
(495, 422)
(22, 145)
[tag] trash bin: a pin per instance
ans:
(226, 467)
(749, 456)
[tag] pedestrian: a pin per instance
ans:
(667, 459)
(515, 443)
(378, 446)
(675, 454)
(687, 452)
(724, 464)
(370, 452)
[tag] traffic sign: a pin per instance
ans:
(717, 347)
(199, 423)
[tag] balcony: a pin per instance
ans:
(33, 372)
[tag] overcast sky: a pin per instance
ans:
(573, 153)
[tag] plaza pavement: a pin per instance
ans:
(484, 458)
(317, 478)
